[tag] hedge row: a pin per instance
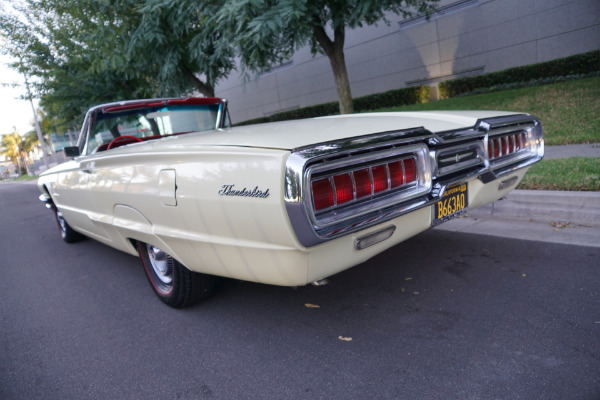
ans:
(577, 65)
(568, 68)
(391, 98)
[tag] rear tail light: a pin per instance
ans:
(410, 170)
(322, 193)
(362, 180)
(344, 189)
(380, 178)
(506, 145)
(355, 185)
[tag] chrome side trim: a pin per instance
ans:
(221, 115)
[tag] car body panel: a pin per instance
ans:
(216, 201)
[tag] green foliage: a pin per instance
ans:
(82, 53)
(183, 40)
(72, 53)
(391, 98)
(13, 147)
(10, 146)
(568, 110)
(268, 32)
(580, 64)
(577, 173)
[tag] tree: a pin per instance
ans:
(73, 51)
(30, 142)
(13, 148)
(86, 52)
(184, 42)
(269, 31)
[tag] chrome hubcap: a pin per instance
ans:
(61, 222)
(161, 264)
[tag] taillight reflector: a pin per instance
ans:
(396, 174)
(506, 145)
(380, 178)
(362, 178)
(322, 194)
(410, 170)
(344, 190)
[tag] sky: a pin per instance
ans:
(13, 111)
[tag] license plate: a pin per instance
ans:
(453, 203)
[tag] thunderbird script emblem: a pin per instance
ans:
(231, 190)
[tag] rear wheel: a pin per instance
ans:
(66, 232)
(172, 282)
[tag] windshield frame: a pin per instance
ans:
(222, 121)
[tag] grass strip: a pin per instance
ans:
(577, 173)
(568, 110)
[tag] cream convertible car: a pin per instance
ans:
(286, 203)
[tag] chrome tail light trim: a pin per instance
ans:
(524, 141)
(361, 207)
(434, 154)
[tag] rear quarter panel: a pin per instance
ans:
(207, 230)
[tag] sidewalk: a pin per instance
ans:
(572, 150)
(541, 215)
(547, 216)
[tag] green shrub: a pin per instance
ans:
(585, 64)
(391, 98)
(562, 69)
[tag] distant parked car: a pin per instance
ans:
(285, 203)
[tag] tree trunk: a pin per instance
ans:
(204, 88)
(335, 52)
(23, 163)
(338, 65)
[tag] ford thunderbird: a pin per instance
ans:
(287, 203)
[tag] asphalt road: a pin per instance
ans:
(445, 315)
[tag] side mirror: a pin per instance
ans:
(71, 151)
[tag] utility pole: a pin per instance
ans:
(37, 124)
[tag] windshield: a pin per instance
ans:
(148, 123)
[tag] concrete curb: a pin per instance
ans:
(581, 208)
(571, 218)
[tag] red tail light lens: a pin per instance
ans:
(505, 149)
(380, 178)
(506, 145)
(344, 190)
(362, 178)
(410, 170)
(396, 174)
(322, 194)
(497, 146)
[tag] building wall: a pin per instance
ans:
(469, 37)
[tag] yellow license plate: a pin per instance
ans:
(452, 204)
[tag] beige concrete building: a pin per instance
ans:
(467, 37)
